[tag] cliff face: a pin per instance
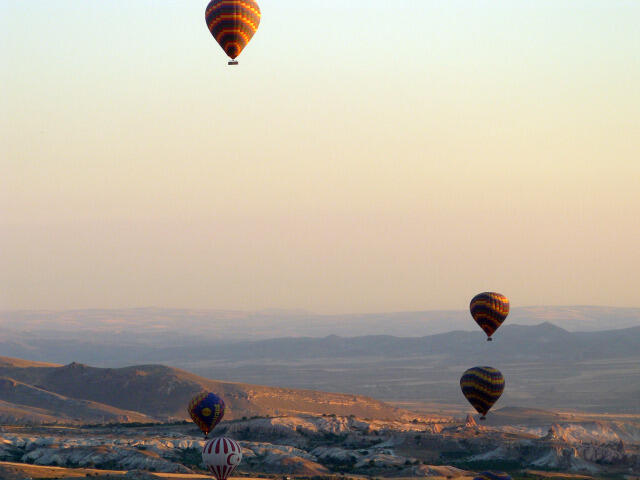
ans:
(594, 431)
(589, 458)
(558, 450)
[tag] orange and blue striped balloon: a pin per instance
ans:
(482, 387)
(232, 23)
(493, 476)
(489, 310)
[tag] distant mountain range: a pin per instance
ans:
(129, 336)
(225, 325)
(77, 393)
(513, 343)
(545, 366)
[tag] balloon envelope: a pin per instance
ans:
(206, 410)
(232, 23)
(482, 387)
(221, 456)
(489, 310)
(493, 476)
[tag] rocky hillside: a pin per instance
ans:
(79, 393)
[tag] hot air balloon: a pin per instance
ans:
(482, 386)
(206, 410)
(493, 476)
(221, 456)
(489, 310)
(232, 23)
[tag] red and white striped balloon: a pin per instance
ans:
(221, 456)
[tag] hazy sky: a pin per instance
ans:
(364, 156)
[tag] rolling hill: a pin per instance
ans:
(77, 393)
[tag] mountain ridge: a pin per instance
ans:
(543, 364)
(160, 393)
(243, 324)
(543, 339)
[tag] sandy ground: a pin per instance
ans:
(19, 471)
(541, 474)
(11, 471)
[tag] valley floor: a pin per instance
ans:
(526, 443)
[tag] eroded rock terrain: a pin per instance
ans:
(325, 445)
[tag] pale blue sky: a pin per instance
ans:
(362, 157)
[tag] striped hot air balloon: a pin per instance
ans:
(232, 23)
(221, 456)
(493, 476)
(489, 310)
(206, 410)
(482, 387)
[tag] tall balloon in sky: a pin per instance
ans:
(232, 23)
(206, 410)
(221, 456)
(482, 387)
(489, 310)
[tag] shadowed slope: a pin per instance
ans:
(161, 392)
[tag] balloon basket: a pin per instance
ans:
(483, 418)
(489, 339)
(232, 62)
